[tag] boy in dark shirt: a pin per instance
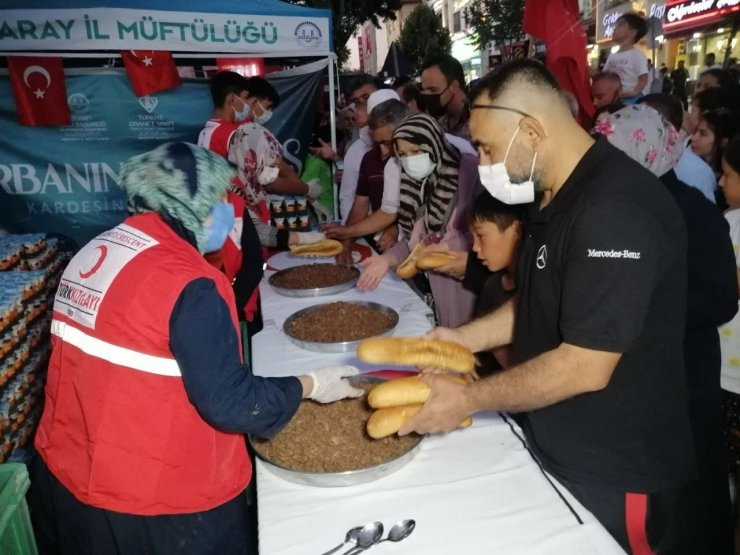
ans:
(497, 230)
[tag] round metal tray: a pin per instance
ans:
(341, 479)
(343, 346)
(316, 291)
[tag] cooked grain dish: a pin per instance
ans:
(338, 322)
(314, 276)
(331, 438)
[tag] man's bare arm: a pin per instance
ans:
(547, 379)
(485, 333)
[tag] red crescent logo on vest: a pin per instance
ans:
(103, 252)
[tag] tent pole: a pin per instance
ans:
(333, 130)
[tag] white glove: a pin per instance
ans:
(329, 385)
(309, 237)
(325, 215)
(314, 188)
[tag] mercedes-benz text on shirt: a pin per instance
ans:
(631, 255)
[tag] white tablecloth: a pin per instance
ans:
(471, 491)
(273, 354)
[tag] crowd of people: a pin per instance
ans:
(594, 272)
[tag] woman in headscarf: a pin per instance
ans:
(646, 137)
(438, 185)
(141, 443)
(261, 170)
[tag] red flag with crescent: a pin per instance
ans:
(150, 71)
(39, 90)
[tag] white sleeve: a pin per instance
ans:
(609, 63)
(461, 144)
(639, 62)
(202, 138)
(733, 218)
(350, 176)
(391, 187)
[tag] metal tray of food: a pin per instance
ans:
(342, 346)
(316, 291)
(348, 478)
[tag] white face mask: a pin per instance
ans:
(418, 166)
(495, 178)
(243, 114)
(264, 117)
(268, 175)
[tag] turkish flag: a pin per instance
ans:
(150, 71)
(558, 24)
(39, 90)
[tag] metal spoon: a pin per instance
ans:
(400, 531)
(370, 534)
(350, 537)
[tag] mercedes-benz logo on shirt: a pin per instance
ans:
(542, 257)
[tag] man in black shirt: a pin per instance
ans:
(679, 77)
(597, 324)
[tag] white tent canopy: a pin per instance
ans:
(260, 28)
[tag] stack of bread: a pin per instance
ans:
(396, 401)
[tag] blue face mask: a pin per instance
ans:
(222, 221)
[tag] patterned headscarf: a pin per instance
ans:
(440, 187)
(255, 151)
(181, 181)
(645, 136)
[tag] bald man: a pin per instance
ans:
(605, 89)
(597, 325)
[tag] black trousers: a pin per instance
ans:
(65, 526)
(670, 522)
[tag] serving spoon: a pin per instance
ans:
(350, 537)
(369, 535)
(400, 531)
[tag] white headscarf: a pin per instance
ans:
(255, 151)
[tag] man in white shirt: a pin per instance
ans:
(359, 92)
(711, 62)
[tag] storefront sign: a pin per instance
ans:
(607, 21)
(655, 15)
(657, 11)
(684, 14)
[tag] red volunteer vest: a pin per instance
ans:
(215, 135)
(118, 429)
(232, 249)
(232, 256)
